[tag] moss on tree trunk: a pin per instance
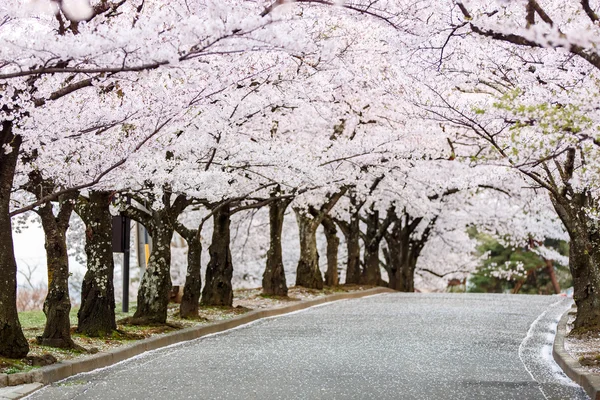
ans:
(96, 316)
(308, 273)
(57, 332)
(153, 294)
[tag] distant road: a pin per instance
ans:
(393, 346)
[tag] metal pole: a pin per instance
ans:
(126, 252)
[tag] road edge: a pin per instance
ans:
(570, 366)
(65, 369)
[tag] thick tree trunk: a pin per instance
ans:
(333, 242)
(403, 255)
(58, 303)
(308, 273)
(371, 274)
(584, 263)
(153, 294)
(193, 279)
(218, 290)
(273, 282)
(584, 258)
(352, 234)
(96, 316)
(12, 341)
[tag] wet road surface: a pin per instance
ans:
(392, 346)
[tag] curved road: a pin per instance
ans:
(393, 346)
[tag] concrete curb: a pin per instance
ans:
(571, 367)
(62, 370)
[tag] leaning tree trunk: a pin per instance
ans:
(153, 294)
(96, 316)
(193, 279)
(308, 273)
(12, 341)
(57, 306)
(371, 274)
(218, 290)
(333, 242)
(273, 281)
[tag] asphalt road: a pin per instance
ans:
(393, 346)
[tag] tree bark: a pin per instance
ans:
(333, 242)
(12, 341)
(376, 230)
(57, 332)
(351, 232)
(218, 290)
(308, 273)
(273, 282)
(153, 294)
(584, 258)
(404, 251)
(155, 288)
(193, 279)
(96, 316)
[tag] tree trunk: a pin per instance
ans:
(371, 274)
(584, 258)
(584, 263)
(57, 332)
(403, 253)
(333, 242)
(218, 290)
(273, 282)
(308, 273)
(12, 341)
(193, 279)
(96, 316)
(153, 294)
(406, 283)
(352, 236)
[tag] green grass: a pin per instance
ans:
(37, 319)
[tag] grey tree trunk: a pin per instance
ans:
(153, 294)
(273, 282)
(193, 279)
(308, 273)
(218, 290)
(333, 242)
(57, 332)
(12, 341)
(96, 316)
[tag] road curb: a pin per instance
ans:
(65, 369)
(589, 382)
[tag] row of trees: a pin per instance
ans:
(391, 123)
